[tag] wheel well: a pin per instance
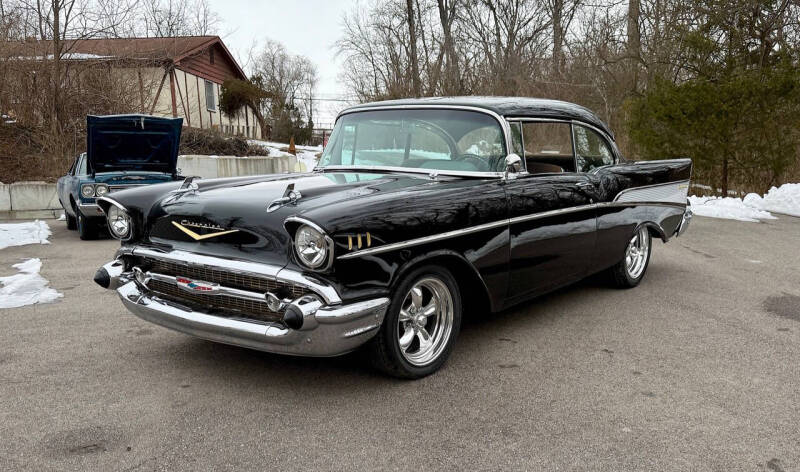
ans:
(474, 294)
(655, 230)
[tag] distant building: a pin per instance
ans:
(173, 77)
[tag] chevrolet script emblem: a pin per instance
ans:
(217, 230)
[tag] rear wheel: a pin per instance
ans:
(630, 270)
(86, 230)
(421, 324)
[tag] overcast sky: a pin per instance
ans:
(307, 27)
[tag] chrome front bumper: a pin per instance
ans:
(327, 330)
(90, 209)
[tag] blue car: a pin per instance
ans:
(122, 151)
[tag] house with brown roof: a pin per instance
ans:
(175, 76)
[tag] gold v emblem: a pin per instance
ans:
(199, 237)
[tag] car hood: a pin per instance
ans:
(340, 203)
(132, 143)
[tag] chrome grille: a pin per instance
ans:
(226, 278)
(229, 304)
(232, 305)
(116, 188)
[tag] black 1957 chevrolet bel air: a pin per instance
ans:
(417, 211)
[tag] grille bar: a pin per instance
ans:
(249, 303)
(231, 305)
(226, 278)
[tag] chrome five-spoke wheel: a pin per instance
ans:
(425, 321)
(638, 253)
(421, 324)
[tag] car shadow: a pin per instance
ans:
(247, 365)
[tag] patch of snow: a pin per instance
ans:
(27, 287)
(20, 234)
(62, 217)
(279, 146)
(753, 207)
(784, 199)
(307, 159)
(728, 208)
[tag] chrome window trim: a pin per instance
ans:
(414, 170)
(500, 121)
(603, 135)
(643, 187)
(547, 120)
(254, 269)
(496, 224)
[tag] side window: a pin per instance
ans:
(516, 138)
(80, 168)
(548, 147)
(591, 149)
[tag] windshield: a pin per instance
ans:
(445, 140)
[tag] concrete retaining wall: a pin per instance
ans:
(209, 167)
(5, 197)
(22, 199)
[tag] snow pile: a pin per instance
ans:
(27, 287)
(306, 155)
(784, 199)
(308, 159)
(19, 234)
(728, 208)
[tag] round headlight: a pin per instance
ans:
(119, 223)
(87, 191)
(311, 246)
(101, 189)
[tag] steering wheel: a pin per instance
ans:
(474, 159)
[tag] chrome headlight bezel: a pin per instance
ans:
(119, 223)
(87, 190)
(100, 190)
(308, 235)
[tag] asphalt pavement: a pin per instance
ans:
(696, 369)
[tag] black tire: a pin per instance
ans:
(86, 230)
(620, 275)
(385, 350)
(72, 223)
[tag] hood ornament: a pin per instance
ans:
(188, 186)
(290, 195)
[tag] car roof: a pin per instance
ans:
(504, 106)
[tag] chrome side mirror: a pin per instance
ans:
(513, 163)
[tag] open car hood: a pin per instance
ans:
(132, 143)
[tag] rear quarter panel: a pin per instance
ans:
(630, 194)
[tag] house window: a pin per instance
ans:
(211, 102)
(211, 55)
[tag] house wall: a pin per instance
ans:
(191, 104)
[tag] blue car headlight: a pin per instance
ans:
(87, 190)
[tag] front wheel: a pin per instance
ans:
(86, 230)
(628, 272)
(421, 324)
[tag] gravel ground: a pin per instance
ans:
(696, 369)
